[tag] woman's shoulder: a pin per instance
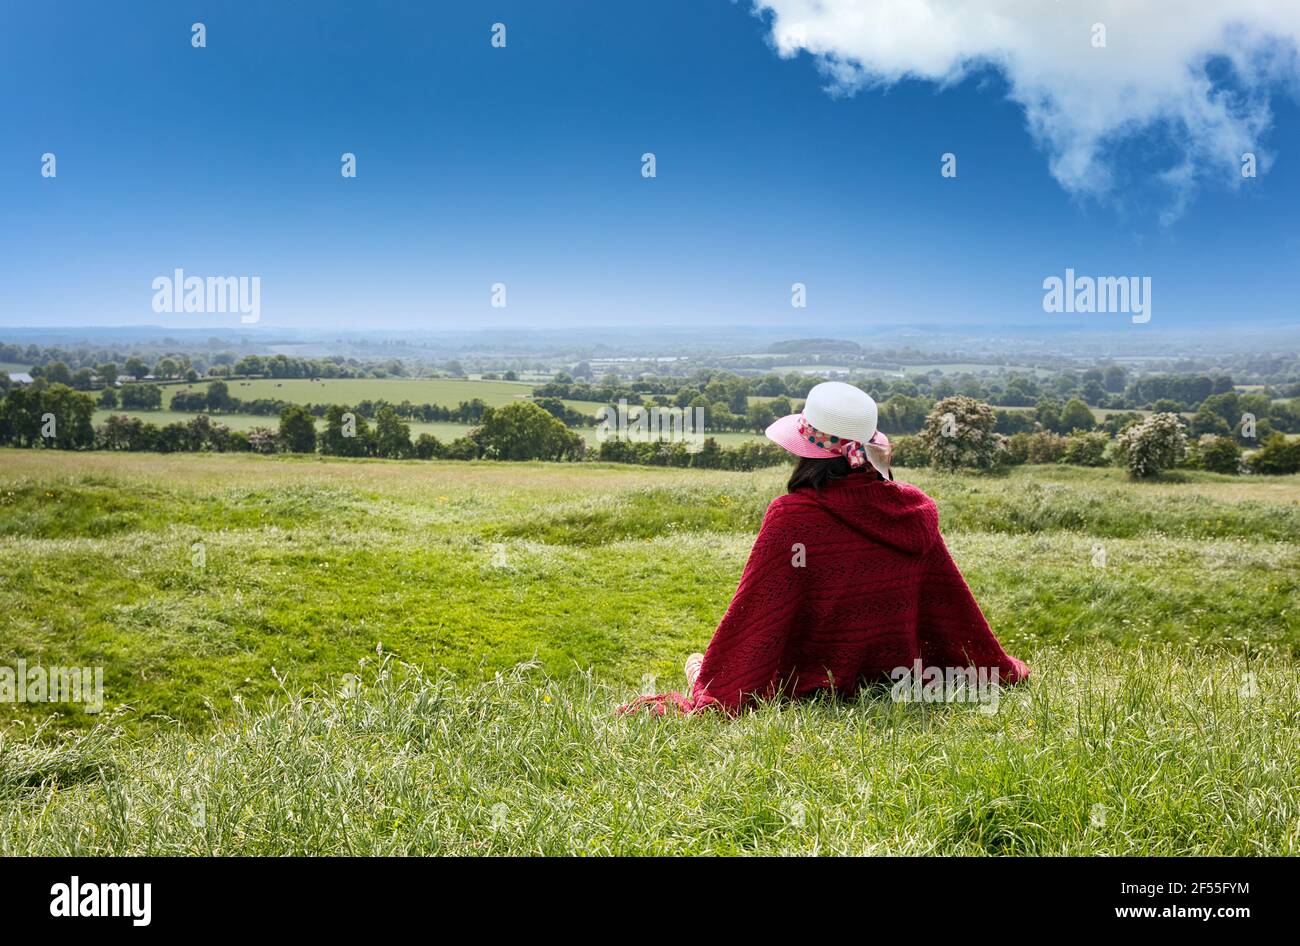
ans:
(880, 494)
(909, 492)
(790, 506)
(786, 503)
(888, 489)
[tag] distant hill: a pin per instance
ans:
(806, 346)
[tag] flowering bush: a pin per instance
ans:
(959, 433)
(1152, 445)
(263, 440)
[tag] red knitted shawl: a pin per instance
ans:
(844, 585)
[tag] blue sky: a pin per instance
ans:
(522, 165)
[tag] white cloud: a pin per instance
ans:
(1078, 100)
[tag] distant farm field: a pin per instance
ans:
(324, 651)
(447, 392)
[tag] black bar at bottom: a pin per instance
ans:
(333, 896)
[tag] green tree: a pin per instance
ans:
(392, 435)
(20, 417)
(1206, 420)
(523, 431)
(250, 365)
(1044, 447)
(1086, 449)
(909, 451)
(297, 429)
(901, 414)
(1048, 413)
(760, 416)
(346, 433)
(1076, 416)
(54, 416)
(1226, 406)
(720, 417)
(1217, 454)
(462, 448)
(218, 396)
(56, 372)
(140, 397)
(1278, 456)
(427, 447)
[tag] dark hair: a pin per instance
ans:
(816, 471)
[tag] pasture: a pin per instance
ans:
(383, 657)
(447, 392)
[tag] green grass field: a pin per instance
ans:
(447, 392)
(380, 657)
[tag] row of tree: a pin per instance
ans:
(1110, 388)
(961, 433)
(92, 374)
(57, 416)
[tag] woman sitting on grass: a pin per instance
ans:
(849, 580)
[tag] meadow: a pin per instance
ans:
(423, 657)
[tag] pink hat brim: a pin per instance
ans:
(785, 434)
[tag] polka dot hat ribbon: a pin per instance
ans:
(851, 450)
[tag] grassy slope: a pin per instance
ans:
(468, 569)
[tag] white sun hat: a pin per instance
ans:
(838, 420)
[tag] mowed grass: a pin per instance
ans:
(1160, 619)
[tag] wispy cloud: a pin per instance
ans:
(1199, 73)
